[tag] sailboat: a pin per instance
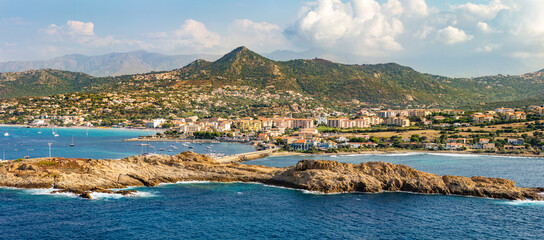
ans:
(72, 145)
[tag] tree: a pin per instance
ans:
(415, 138)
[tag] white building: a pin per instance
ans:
(155, 123)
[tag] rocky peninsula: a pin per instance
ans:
(83, 176)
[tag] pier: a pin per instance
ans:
(242, 157)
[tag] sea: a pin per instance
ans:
(208, 210)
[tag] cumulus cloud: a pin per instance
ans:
(484, 27)
(452, 35)
(416, 8)
(483, 11)
(365, 25)
(261, 36)
(78, 36)
(80, 28)
(81, 32)
(195, 34)
(381, 30)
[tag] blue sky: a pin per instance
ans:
(449, 37)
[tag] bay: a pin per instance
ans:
(206, 210)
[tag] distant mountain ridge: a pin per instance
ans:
(112, 64)
(384, 84)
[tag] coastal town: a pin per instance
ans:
(502, 130)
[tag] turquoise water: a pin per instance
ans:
(93, 143)
(203, 210)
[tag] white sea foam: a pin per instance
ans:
(49, 191)
(94, 195)
(358, 155)
(11, 188)
(455, 155)
(400, 154)
(184, 182)
(294, 189)
(524, 203)
(317, 192)
(102, 196)
(522, 157)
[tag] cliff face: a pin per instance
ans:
(82, 176)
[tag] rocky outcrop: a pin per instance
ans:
(83, 176)
(333, 177)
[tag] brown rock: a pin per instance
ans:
(82, 176)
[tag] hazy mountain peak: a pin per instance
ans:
(111, 64)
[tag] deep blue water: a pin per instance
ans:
(254, 211)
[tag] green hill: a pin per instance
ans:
(378, 84)
(326, 81)
(46, 82)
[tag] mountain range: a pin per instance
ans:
(112, 64)
(385, 84)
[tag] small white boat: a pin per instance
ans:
(6, 134)
(39, 132)
(161, 149)
(56, 135)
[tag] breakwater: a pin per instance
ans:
(242, 157)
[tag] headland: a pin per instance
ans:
(83, 176)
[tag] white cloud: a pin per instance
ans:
(452, 35)
(481, 11)
(195, 34)
(484, 27)
(80, 32)
(52, 30)
(364, 25)
(80, 28)
(379, 30)
(261, 36)
(488, 48)
(416, 8)
(78, 36)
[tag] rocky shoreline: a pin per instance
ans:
(387, 151)
(83, 176)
